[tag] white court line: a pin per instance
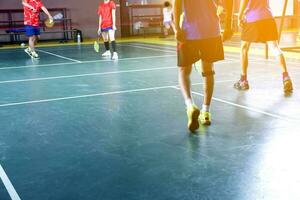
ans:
(149, 48)
(97, 94)
(85, 96)
(272, 59)
(8, 185)
(59, 56)
(91, 74)
(245, 107)
(83, 62)
(232, 55)
(83, 75)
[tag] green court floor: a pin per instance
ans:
(75, 126)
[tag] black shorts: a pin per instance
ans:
(260, 31)
(209, 50)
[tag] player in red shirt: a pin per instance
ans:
(107, 26)
(32, 10)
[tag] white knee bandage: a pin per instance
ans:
(275, 48)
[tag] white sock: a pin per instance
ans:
(188, 103)
(205, 108)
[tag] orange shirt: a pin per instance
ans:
(31, 18)
(105, 11)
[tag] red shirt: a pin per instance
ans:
(105, 11)
(31, 18)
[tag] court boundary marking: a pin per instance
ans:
(145, 46)
(94, 74)
(243, 107)
(59, 56)
(84, 62)
(232, 56)
(8, 185)
(149, 89)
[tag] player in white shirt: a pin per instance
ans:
(168, 21)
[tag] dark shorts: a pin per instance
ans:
(32, 30)
(209, 50)
(106, 29)
(260, 31)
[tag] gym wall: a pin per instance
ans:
(83, 13)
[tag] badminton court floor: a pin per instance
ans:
(77, 126)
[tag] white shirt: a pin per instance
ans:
(167, 14)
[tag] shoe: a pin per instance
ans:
(205, 118)
(34, 55)
(287, 85)
(28, 51)
(115, 56)
(241, 85)
(193, 113)
(106, 54)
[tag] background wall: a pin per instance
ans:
(82, 12)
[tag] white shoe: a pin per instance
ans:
(115, 56)
(106, 54)
(28, 51)
(35, 55)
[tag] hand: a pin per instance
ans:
(241, 20)
(50, 19)
(114, 27)
(220, 10)
(179, 35)
(33, 10)
(227, 34)
(99, 31)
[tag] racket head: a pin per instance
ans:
(96, 46)
(49, 23)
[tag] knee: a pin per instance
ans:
(276, 50)
(185, 71)
(245, 47)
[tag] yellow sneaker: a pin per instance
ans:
(287, 85)
(193, 113)
(205, 118)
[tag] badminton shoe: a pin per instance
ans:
(115, 56)
(28, 51)
(106, 54)
(205, 118)
(287, 85)
(193, 114)
(241, 85)
(35, 55)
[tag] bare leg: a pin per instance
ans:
(31, 43)
(244, 57)
(208, 78)
(279, 55)
(184, 83)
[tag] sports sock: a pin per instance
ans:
(106, 44)
(113, 45)
(205, 108)
(188, 103)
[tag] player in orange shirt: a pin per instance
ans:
(107, 26)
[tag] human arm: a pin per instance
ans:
(177, 10)
(114, 19)
(99, 27)
(241, 16)
(45, 10)
(25, 3)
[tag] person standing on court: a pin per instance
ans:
(197, 30)
(259, 26)
(32, 10)
(107, 27)
(167, 18)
